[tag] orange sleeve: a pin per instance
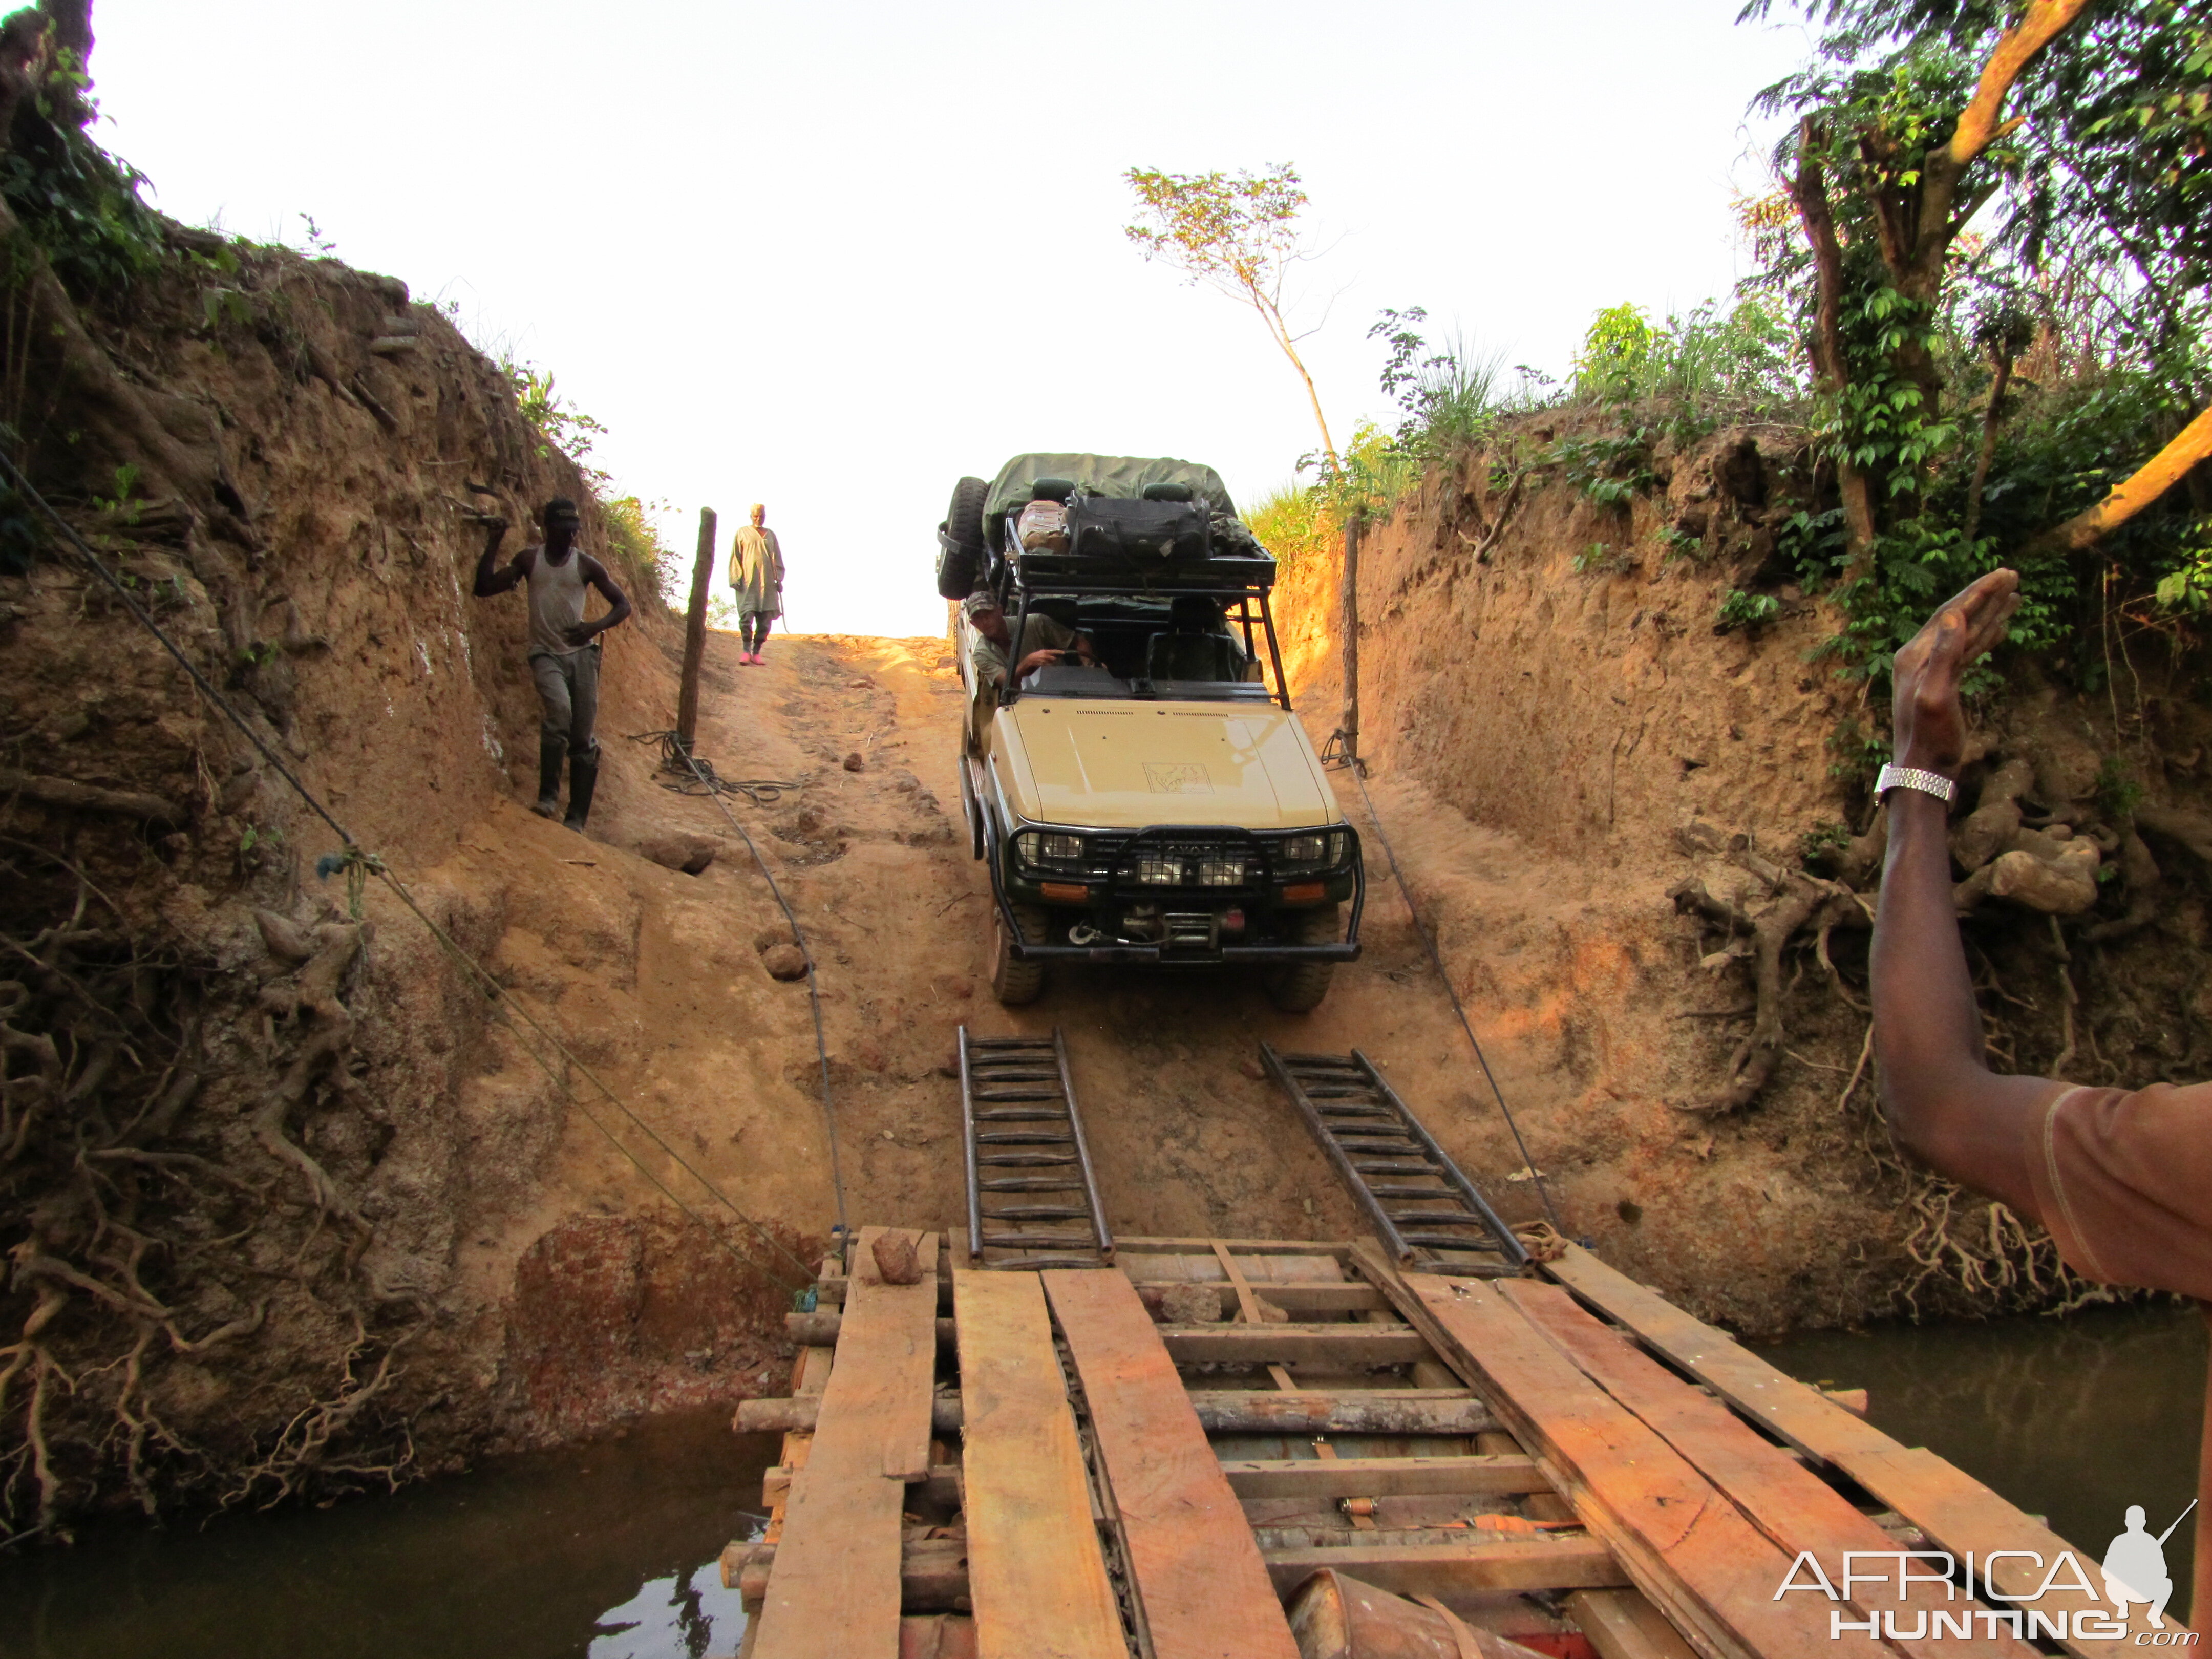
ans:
(2124, 1183)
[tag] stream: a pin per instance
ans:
(608, 1550)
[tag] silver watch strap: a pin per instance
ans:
(1911, 777)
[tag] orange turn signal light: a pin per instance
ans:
(1069, 892)
(1305, 892)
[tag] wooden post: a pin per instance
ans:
(1348, 625)
(694, 632)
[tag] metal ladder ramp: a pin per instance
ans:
(1419, 1201)
(1032, 1198)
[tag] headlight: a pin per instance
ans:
(1158, 872)
(1037, 847)
(1313, 851)
(1220, 872)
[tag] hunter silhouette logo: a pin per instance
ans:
(2134, 1565)
(2027, 1598)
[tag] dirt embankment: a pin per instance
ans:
(1579, 772)
(290, 1206)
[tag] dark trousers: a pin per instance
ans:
(752, 628)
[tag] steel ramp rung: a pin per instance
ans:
(1019, 1116)
(1366, 1130)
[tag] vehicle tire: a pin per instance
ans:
(960, 542)
(1298, 987)
(1016, 983)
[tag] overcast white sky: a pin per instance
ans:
(832, 257)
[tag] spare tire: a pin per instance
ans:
(960, 540)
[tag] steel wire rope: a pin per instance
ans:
(357, 857)
(1358, 770)
(673, 749)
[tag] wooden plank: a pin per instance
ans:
(1035, 1572)
(1336, 1248)
(1247, 1303)
(1449, 1568)
(1786, 1502)
(1379, 1477)
(1956, 1512)
(1622, 1624)
(810, 1375)
(1299, 1298)
(1680, 1542)
(1224, 1411)
(834, 1590)
(942, 1486)
(1341, 1411)
(1202, 1589)
(1343, 1345)
(932, 1575)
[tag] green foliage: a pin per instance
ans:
(1294, 523)
(1859, 753)
(1820, 845)
(1609, 470)
(2187, 587)
(79, 203)
(1680, 544)
(2118, 792)
(1742, 609)
(1700, 370)
(1615, 353)
(2088, 303)
(653, 566)
(1602, 559)
(1451, 397)
(563, 427)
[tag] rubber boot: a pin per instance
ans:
(583, 779)
(550, 753)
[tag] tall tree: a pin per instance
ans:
(1238, 234)
(2085, 125)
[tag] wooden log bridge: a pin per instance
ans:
(1223, 1448)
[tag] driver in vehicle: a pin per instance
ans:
(1044, 640)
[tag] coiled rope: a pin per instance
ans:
(359, 863)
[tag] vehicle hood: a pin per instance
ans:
(1130, 765)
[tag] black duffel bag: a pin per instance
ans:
(1102, 528)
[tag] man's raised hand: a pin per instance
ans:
(1928, 724)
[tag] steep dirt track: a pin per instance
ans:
(1188, 1138)
(657, 978)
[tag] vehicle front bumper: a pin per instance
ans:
(1345, 950)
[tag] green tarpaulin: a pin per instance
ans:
(1123, 476)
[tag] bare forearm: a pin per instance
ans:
(1942, 1101)
(1928, 1032)
(487, 582)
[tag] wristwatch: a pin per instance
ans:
(1911, 777)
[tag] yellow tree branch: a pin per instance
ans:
(2145, 485)
(1982, 124)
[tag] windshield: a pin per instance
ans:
(1189, 647)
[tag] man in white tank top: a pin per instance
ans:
(564, 650)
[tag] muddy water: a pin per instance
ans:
(606, 1551)
(2073, 1420)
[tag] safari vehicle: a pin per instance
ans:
(1158, 804)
